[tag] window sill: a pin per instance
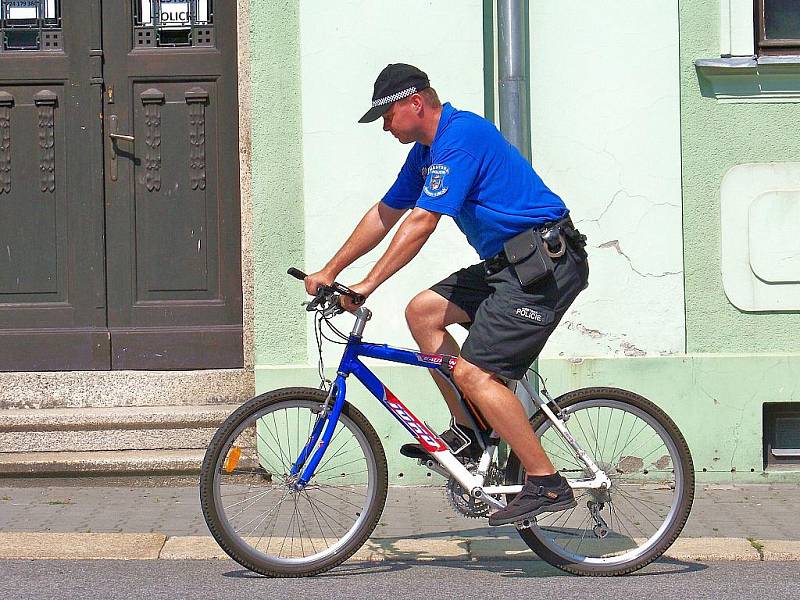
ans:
(745, 79)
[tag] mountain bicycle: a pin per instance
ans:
(295, 480)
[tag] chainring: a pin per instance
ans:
(463, 502)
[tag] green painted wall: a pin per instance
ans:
(715, 137)
(716, 401)
(277, 180)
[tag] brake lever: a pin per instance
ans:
(332, 310)
(313, 304)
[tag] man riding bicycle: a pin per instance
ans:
(533, 266)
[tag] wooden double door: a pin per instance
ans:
(120, 236)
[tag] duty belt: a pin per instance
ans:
(556, 235)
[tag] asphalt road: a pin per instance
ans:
(496, 580)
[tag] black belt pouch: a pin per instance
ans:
(525, 251)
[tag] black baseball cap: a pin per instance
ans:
(394, 83)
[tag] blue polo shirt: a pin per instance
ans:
(473, 174)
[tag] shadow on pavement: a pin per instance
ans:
(507, 568)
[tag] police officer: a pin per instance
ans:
(462, 167)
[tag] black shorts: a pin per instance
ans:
(510, 324)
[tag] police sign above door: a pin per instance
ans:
(175, 13)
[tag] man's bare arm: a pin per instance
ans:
(369, 232)
(373, 227)
(407, 242)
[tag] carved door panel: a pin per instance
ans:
(52, 280)
(172, 184)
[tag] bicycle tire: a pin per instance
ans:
(214, 462)
(576, 400)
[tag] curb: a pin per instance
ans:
(81, 546)
(157, 546)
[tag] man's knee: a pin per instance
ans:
(422, 310)
(468, 376)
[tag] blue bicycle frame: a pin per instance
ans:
(303, 468)
(351, 364)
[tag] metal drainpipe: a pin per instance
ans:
(514, 100)
(513, 94)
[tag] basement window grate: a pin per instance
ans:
(782, 434)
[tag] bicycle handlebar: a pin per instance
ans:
(327, 290)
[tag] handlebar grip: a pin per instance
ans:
(296, 273)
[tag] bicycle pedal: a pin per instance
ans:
(525, 523)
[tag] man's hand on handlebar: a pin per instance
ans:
(314, 280)
(324, 290)
(347, 302)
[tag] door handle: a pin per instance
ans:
(120, 136)
(113, 124)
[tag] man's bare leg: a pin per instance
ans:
(505, 414)
(427, 315)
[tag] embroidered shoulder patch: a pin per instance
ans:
(436, 184)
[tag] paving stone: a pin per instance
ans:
(410, 511)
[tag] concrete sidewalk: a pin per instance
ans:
(151, 518)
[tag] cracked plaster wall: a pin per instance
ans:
(606, 137)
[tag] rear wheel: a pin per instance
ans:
(247, 490)
(620, 530)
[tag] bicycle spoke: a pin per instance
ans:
(288, 443)
(255, 498)
(338, 467)
(567, 448)
(631, 500)
(628, 443)
(334, 509)
(316, 518)
(334, 456)
(644, 445)
(338, 498)
(614, 511)
(275, 508)
(284, 460)
(608, 429)
(285, 535)
(333, 439)
(580, 426)
(571, 461)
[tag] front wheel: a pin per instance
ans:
(247, 490)
(620, 530)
